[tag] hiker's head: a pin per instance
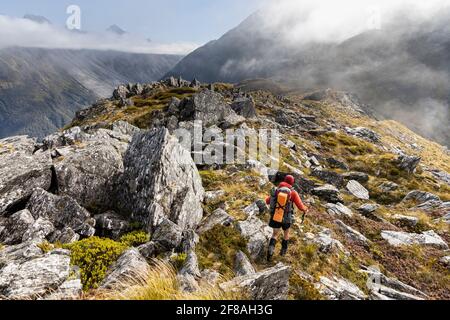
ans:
(289, 180)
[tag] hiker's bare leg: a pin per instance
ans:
(276, 233)
(286, 234)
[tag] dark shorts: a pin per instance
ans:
(279, 225)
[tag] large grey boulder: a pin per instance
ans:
(13, 228)
(421, 197)
(257, 234)
(244, 107)
(21, 170)
(35, 277)
(242, 265)
(328, 193)
(160, 181)
(207, 106)
(335, 288)
(339, 209)
(269, 284)
(219, 216)
(62, 212)
(131, 265)
(357, 190)
(87, 174)
(111, 224)
(167, 236)
(427, 238)
(19, 253)
(71, 289)
(408, 163)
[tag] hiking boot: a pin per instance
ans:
(284, 247)
(271, 250)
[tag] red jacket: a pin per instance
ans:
(294, 197)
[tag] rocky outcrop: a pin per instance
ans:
(421, 197)
(111, 224)
(328, 193)
(62, 212)
(210, 108)
(13, 228)
(408, 163)
(131, 265)
(352, 234)
(406, 221)
(361, 177)
(270, 284)
(167, 236)
(22, 169)
(160, 181)
(364, 133)
(357, 190)
(330, 177)
(427, 238)
(244, 107)
(219, 216)
(325, 242)
(258, 235)
(27, 273)
(339, 289)
(242, 265)
(338, 209)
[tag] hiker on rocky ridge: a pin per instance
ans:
(281, 201)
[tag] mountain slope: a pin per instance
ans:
(41, 89)
(402, 71)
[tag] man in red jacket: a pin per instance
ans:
(294, 198)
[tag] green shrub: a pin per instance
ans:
(218, 247)
(301, 289)
(135, 238)
(94, 256)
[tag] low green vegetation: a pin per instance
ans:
(135, 238)
(218, 247)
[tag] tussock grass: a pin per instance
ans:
(160, 283)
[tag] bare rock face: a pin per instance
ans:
(209, 107)
(21, 170)
(62, 212)
(160, 181)
(130, 265)
(13, 228)
(269, 284)
(258, 235)
(219, 216)
(31, 276)
(328, 193)
(242, 265)
(339, 289)
(357, 190)
(427, 238)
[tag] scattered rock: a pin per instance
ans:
(328, 193)
(121, 92)
(211, 196)
(364, 133)
(352, 234)
(242, 265)
(244, 107)
(357, 190)
(445, 261)
(167, 236)
(330, 177)
(62, 212)
(258, 235)
(337, 164)
(12, 229)
(190, 266)
(421, 196)
(325, 242)
(34, 278)
(69, 290)
(406, 221)
(339, 289)
(219, 216)
(338, 209)
(21, 170)
(270, 284)
(428, 238)
(130, 265)
(408, 163)
(388, 186)
(368, 210)
(361, 177)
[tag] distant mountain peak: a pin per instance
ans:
(116, 30)
(38, 19)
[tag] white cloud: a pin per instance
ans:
(27, 33)
(334, 21)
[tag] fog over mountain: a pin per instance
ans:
(395, 56)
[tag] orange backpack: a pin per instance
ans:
(281, 204)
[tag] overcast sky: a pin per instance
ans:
(180, 26)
